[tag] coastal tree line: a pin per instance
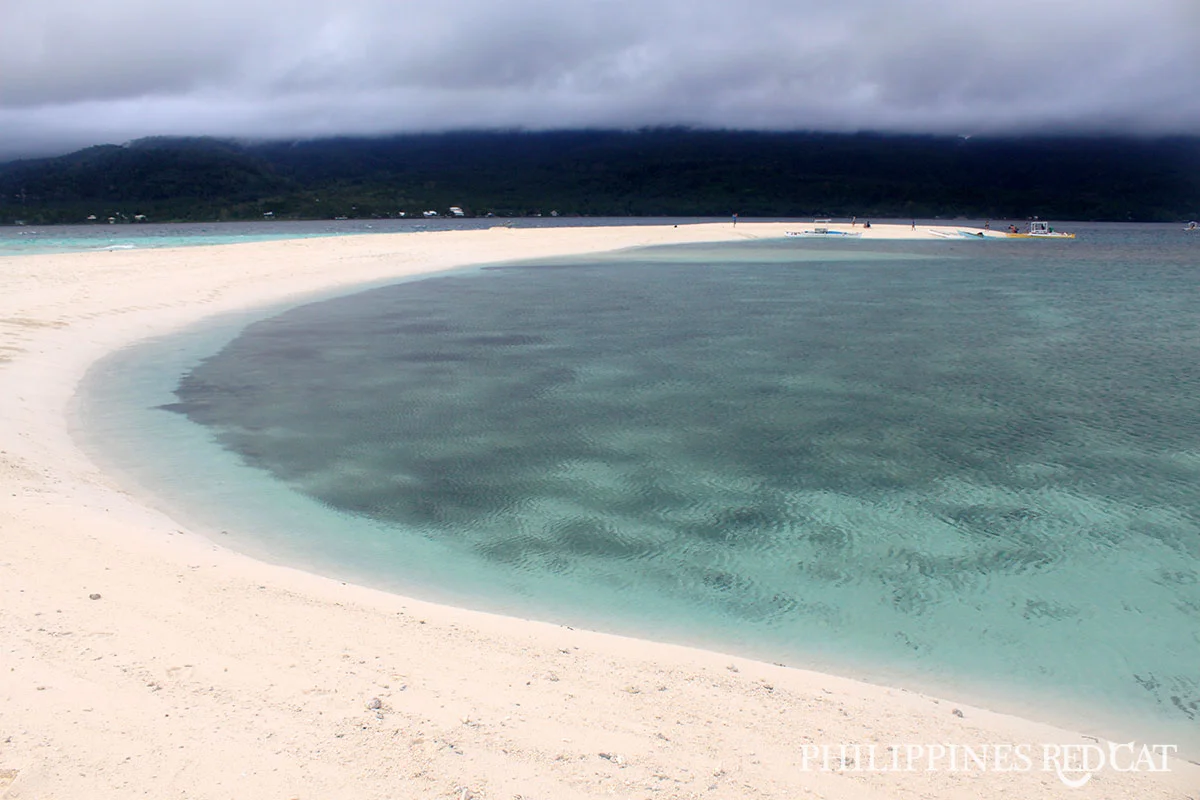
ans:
(654, 172)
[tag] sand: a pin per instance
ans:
(139, 659)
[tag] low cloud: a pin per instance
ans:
(75, 74)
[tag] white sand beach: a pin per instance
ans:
(140, 659)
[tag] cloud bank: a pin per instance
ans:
(73, 74)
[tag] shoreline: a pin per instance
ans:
(204, 672)
(102, 238)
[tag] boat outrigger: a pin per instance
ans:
(1040, 230)
(822, 232)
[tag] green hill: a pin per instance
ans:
(656, 172)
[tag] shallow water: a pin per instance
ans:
(40, 239)
(973, 466)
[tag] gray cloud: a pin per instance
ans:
(73, 74)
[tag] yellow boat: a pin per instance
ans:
(1040, 230)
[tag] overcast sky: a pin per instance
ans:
(75, 73)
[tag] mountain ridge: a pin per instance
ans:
(649, 172)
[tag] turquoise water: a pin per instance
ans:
(964, 466)
(35, 240)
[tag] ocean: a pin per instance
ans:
(966, 467)
(37, 240)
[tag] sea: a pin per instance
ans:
(967, 467)
(35, 239)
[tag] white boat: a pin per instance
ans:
(958, 234)
(1040, 230)
(823, 232)
(1191, 226)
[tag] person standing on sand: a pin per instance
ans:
(735, 219)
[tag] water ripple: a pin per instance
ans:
(859, 458)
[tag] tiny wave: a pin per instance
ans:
(113, 247)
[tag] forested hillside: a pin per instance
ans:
(657, 172)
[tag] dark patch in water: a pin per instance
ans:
(501, 340)
(432, 357)
(783, 445)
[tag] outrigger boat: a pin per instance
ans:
(1040, 230)
(958, 234)
(822, 232)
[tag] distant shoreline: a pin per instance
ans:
(51, 239)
